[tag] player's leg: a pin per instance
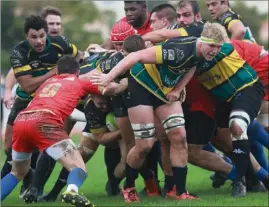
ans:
(172, 119)
(243, 111)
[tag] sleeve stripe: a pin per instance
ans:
(183, 32)
(159, 54)
(22, 69)
(58, 46)
(233, 21)
(75, 50)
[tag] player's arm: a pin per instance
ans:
(161, 35)
(115, 88)
(144, 56)
(23, 72)
(237, 29)
(9, 84)
(69, 48)
(107, 137)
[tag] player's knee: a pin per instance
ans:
(238, 124)
(172, 124)
(144, 151)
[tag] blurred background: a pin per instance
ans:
(86, 22)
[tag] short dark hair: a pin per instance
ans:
(194, 4)
(165, 10)
(144, 3)
(67, 64)
(36, 23)
(134, 43)
(50, 10)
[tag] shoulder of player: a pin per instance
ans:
(20, 49)
(228, 16)
(59, 40)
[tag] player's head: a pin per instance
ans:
(133, 43)
(188, 12)
(134, 12)
(162, 16)
(217, 8)
(119, 32)
(67, 65)
(101, 102)
(53, 16)
(211, 40)
(35, 29)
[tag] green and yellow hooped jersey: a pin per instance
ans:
(226, 74)
(175, 58)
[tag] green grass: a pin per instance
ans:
(94, 188)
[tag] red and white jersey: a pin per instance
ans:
(61, 94)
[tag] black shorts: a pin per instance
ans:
(138, 95)
(199, 127)
(120, 105)
(17, 107)
(249, 100)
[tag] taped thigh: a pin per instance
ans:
(173, 121)
(144, 131)
(242, 119)
(60, 149)
(20, 156)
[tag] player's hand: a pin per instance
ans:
(182, 95)
(149, 44)
(100, 79)
(173, 96)
(8, 99)
(94, 48)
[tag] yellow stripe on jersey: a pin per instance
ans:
(182, 31)
(58, 46)
(231, 22)
(22, 69)
(75, 50)
(159, 54)
(219, 71)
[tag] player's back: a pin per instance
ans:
(59, 95)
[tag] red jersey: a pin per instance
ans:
(199, 98)
(248, 51)
(145, 28)
(61, 94)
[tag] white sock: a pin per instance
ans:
(72, 188)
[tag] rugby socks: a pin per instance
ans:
(8, 183)
(153, 158)
(262, 174)
(169, 182)
(44, 168)
(112, 158)
(240, 158)
(7, 165)
(146, 173)
(131, 176)
(180, 176)
(257, 132)
(258, 152)
(232, 174)
(75, 179)
(60, 183)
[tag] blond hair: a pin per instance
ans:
(214, 33)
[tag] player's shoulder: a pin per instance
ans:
(229, 16)
(110, 62)
(20, 49)
(59, 40)
(181, 40)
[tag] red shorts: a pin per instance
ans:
(36, 130)
(261, 67)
